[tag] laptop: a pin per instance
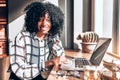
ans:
(95, 59)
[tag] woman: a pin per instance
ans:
(37, 46)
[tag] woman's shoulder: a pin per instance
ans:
(22, 34)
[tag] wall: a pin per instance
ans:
(16, 8)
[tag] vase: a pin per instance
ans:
(88, 47)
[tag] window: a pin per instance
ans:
(101, 16)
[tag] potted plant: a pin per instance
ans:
(89, 41)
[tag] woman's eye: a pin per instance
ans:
(41, 19)
(48, 20)
(44, 19)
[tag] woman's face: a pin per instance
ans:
(44, 24)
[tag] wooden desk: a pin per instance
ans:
(4, 65)
(73, 53)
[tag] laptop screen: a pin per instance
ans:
(99, 51)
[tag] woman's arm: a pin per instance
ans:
(57, 52)
(57, 47)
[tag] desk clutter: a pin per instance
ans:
(76, 75)
(68, 74)
(111, 70)
(89, 73)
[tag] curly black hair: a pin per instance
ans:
(38, 9)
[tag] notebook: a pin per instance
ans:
(95, 59)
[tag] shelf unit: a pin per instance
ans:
(3, 28)
(4, 47)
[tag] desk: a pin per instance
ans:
(76, 54)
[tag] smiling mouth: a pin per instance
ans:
(43, 28)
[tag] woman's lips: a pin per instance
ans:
(43, 28)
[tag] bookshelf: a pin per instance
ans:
(4, 58)
(3, 28)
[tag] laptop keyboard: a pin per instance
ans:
(80, 62)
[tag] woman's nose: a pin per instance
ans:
(44, 22)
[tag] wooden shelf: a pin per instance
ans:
(2, 1)
(2, 19)
(2, 5)
(4, 58)
(3, 22)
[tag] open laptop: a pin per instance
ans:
(95, 59)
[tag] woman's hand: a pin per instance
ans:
(57, 61)
(60, 60)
